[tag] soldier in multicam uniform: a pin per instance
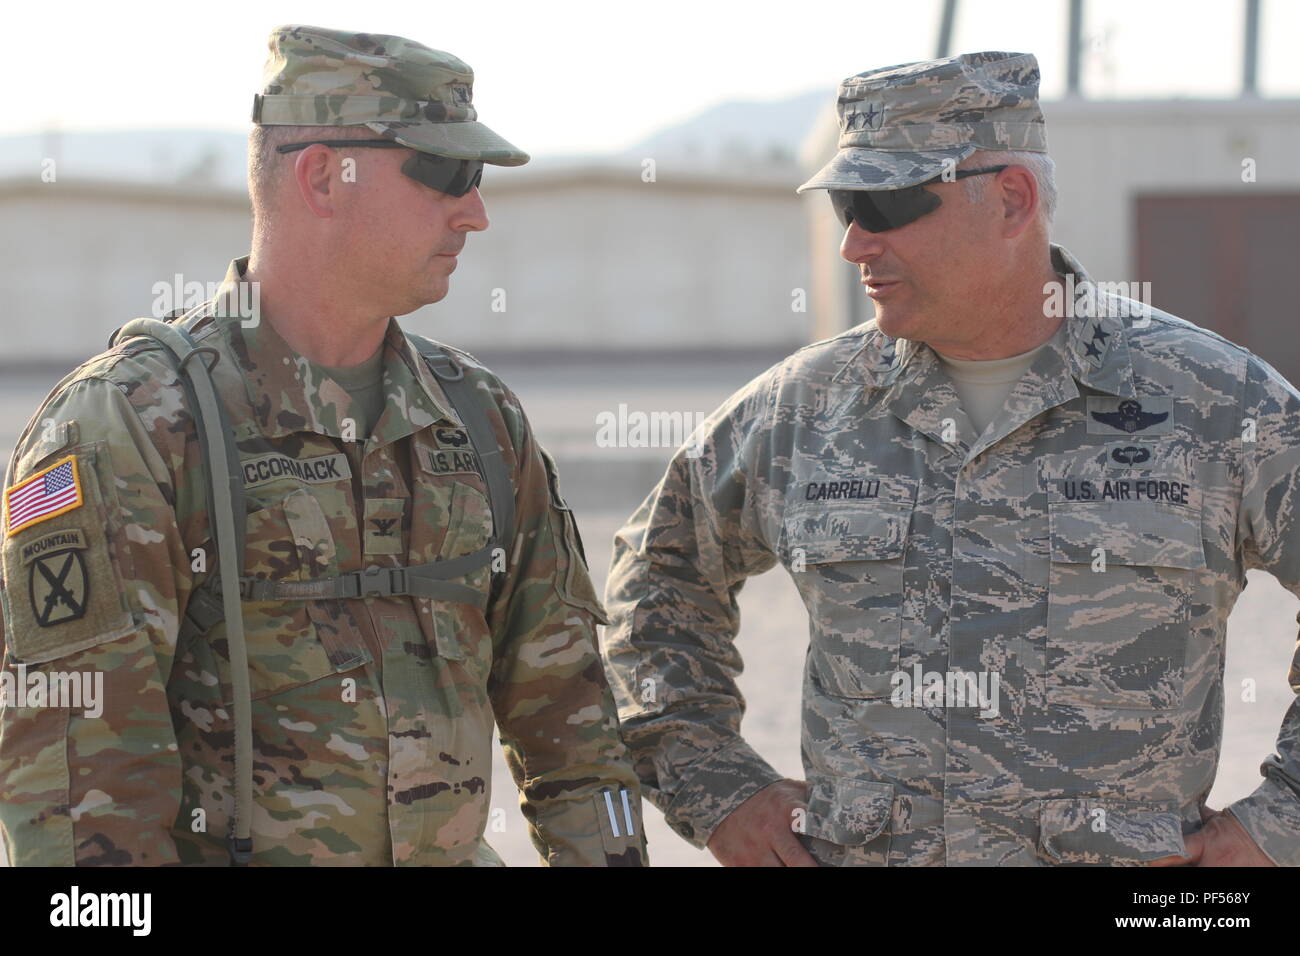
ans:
(970, 485)
(372, 702)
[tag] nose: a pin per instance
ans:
(861, 246)
(470, 214)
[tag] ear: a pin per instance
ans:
(1019, 192)
(314, 175)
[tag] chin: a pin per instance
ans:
(892, 324)
(434, 291)
(420, 300)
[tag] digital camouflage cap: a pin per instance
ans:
(400, 89)
(900, 125)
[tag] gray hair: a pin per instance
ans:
(1040, 165)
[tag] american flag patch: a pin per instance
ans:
(44, 495)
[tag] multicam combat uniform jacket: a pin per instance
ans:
(373, 717)
(919, 547)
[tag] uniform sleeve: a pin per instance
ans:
(93, 574)
(558, 721)
(1268, 534)
(679, 563)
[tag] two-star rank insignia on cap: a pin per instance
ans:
(47, 494)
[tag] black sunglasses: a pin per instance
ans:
(455, 177)
(879, 210)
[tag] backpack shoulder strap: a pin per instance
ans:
(471, 408)
(227, 514)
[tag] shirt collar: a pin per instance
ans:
(1090, 344)
(289, 393)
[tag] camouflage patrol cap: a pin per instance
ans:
(400, 89)
(899, 125)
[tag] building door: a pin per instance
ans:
(1227, 263)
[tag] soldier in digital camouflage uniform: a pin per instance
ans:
(373, 715)
(1084, 548)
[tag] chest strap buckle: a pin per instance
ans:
(377, 582)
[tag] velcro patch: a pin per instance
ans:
(1141, 489)
(65, 590)
(448, 462)
(1109, 415)
(59, 584)
(47, 494)
(853, 488)
(451, 437)
(264, 468)
(384, 526)
(69, 538)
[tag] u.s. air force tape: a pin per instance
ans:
(260, 470)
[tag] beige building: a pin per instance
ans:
(609, 256)
(600, 256)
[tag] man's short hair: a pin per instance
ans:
(1040, 165)
(264, 163)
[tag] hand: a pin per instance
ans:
(1222, 841)
(759, 832)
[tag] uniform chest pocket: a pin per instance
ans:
(450, 519)
(290, 642)
(847, 559)
(1122, 580)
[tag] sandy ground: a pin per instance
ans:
(605, 485)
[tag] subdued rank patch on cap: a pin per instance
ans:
(47, 494)
(901, 125)
(400, 89)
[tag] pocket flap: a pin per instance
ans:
(1108, 832)
(847, 811)
(852, 529)
(1128, 533)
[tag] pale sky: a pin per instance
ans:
(580, 76)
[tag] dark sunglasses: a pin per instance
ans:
(455, 177)
(879, 210)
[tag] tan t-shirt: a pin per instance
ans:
(365, 384)
(984, 384)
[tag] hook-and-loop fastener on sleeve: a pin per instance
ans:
(617, 813)
(65, 555)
